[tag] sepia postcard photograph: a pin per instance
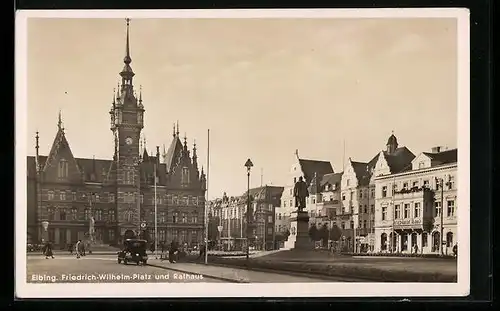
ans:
(276, 153)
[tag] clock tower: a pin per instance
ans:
(127, 115)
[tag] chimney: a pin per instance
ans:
(436, 149)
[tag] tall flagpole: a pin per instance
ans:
(206, 200)
(156, 218)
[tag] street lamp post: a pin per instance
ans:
(45, 234)
(248, 165)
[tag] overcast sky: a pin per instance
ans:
(264, 87)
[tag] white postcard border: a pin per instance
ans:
(180, 290)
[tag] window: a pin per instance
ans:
(384, 191)
(50, 195)
(291, 203)
(294, 182)
(313, 200)
(111, 215)
(405, 186)
(360, 194)
(438, 183)
(343, 196)
(451, 208)
(347, 182)
(416, 208)
(437, 208)
(111, 197)
(62, 214)
(279, 216)
(128, 216)
(98, 214)
(62, 170)
(161, 235)
(415, 184)
(364, 223)
(449, 239)
(87, 214)
(407, 210)
(62, 195)
(352, 224)
(195, 218)
(372, 192)
(373, 209)
(351, 196)
(421, 165)
(284, 203)
(142, 198)
(269, 230)
(342, 225)
(73, 194)
(451, 182)
(162, 217)
(183, 237)
(74, 214)
(397, 211)
(111, 235)
(366, 209)
(185, 175)
(426, 183)
(270, 219)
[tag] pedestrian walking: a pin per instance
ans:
(202, 251)
(455, 250)
(415, 247)
(172, 252)
(47, 250)
(78, 248)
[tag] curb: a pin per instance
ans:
(205, 275)
(385, 276)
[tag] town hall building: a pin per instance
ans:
(72, 198)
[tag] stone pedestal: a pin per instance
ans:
(299, 232)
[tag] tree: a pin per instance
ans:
(313, 232)
(335, 233)
(323, 234)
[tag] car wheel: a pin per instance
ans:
(119, 261)
(125, 261)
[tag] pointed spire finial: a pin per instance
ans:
(127, 60)
(177, 128)
(59, 122)
(392, 132)
(114, 96)
(140, 93)
(173, 132)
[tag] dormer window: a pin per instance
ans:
(62, 170)
(185, 175)
(421, 165)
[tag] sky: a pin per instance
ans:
(264, 88)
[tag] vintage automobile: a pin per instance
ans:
(134, 250)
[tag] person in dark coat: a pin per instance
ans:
(47, 250)
(455, 250)
(203, 250)
(172, 253)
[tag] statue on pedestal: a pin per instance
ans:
(300, 193)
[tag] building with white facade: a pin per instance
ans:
(409, 214)
(358, 193)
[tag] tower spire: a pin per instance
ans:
(127, 60)
(59, 122)
(173, 132)
(127, 73)
(177, 128)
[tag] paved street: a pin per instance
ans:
(101, 269)
(105, 269)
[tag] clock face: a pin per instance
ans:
(129, 140)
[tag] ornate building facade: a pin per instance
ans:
(69, 197)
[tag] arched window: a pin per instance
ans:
(449, 239)
(383, 242)
(62, 170)
(425, 241)
(435, 241)
(185, 175)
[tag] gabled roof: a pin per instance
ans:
(97, 167)
(445, 157)
(312, 167)
(59, 141)
(271, 194)
(174, 151)
(400, 160)
(331, 179)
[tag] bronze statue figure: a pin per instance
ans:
(300, 194)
